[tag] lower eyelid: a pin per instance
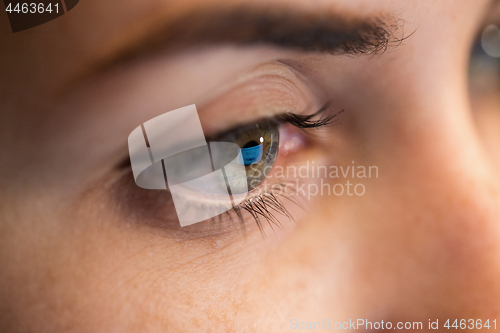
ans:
(154, 209)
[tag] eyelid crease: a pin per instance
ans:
(262, 97)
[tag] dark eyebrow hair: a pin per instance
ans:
(294, 29)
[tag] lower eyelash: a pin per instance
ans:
(265, 206)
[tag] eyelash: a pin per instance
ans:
(264, 205)
(305, 122)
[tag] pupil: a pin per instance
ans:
(251, 144)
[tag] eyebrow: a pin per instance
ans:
(289, 28)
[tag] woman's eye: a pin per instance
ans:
(484, 87)
(245, 155)
(484, 68)
(490, 41)
(259, 148)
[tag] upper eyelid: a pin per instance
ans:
(266, 91)
(287, 71)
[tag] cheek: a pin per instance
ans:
(121, 278)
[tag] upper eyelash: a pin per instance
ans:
(305, 122)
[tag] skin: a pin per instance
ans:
(82, 249)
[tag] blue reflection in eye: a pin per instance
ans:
(251, 153)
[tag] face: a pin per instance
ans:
(392, 213)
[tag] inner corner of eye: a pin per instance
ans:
(292, 140)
